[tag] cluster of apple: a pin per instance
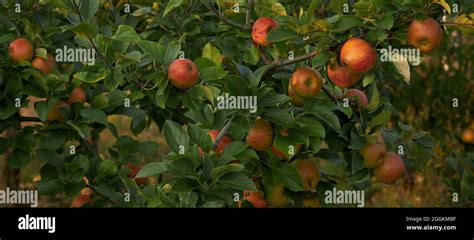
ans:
(388, 167)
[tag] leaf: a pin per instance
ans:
(386, 22)
(327, 116)
(171, 52)
(381, 119)
(238, 181)
(444, 4)
(280, 34)
(321, 59)
(94, 115)
(175, 136)
(126, 33)
(83, 29)
(89, 77)
(51, 157)
(212, 74)
(279, 116)
(288, 175)
(218, 172)
(88, 8)
(106, 168)
(312, 127)
(374, 99)
(347, 22)
(154, 49)
(368, 79)
(172, 4)
(357, 163)
(212, 53)
(234, 148)
(402, 66)
(257, 75)
(312, 7)
(183, 185)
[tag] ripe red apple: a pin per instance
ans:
(225, 140)
(360, 96)
(306, 82)
(45, 66)
(256, 198)
(54, 113)
(21, 50)
(82, 198)
(358, 55)
(296, 100)
(260, 30)
(260, 136)
(308, 172)
(425, 35)
(77, 95)
(134, 171)
(468, 136)
(183, 73)
(342, 76)
(392, 168)
(373, 154)
(280, 154)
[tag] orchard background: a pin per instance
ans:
(130, 137)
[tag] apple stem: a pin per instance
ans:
(221, 134)
(224, 19)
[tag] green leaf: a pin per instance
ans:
(257, 75)
(279, 116)
(94, 115)
(280, 34)
(88, 8)
(288, 175)
(212, 74)
(326, 116)
(312, 127)
(83, 29)
(374, 100)
(154, 49)
(212, 53)
(126, 33)
(218, 172)
(234, 148)
(238, 181)
(357, 163)
(51, 157)
(183, 185)
(89, 77)
(312, 7)
(368, 79)
(381, 119)
(106, 168)
(347, 22)
(175, 136)
(386, 22)
(172, 4)
(321, 59)
(171, 52)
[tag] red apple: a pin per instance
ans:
(260, 136)
(306, 82)
(358, 55)
(21, 50)
(77, 95)
(45, 66)
(392, 168)
(260, 30)
(225, 140)
(426, 35)
(342, 76)
(183, 73)
(296, 100)
(362, 99)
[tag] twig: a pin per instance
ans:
(264, 56)
(458, 24)
(330, 93)
(221, 134)
(248, 16)
(280, 63)
(224, 19)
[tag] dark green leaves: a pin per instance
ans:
(151, 169)
(175, 136)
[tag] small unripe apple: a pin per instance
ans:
(373, 154)
(358, 55)
(183, 73)
(21, 50)
(306, 82)
(342, 76)
(392, 169)
(260, 30)
(77, 95)
(425, 35)
(45, 66)
(260, 136)
(360, 97)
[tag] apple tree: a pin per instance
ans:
(261, 103)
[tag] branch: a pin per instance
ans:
(248, 16)
(281, 63)
(221, 134)
(224, 19)
(264, 55)
(29, 119)
(457, 24)
(330, 93)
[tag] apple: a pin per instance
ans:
(45, 66)
(296, 100)
(306, 82)
(260, 30)
(225, 140)
(82, 198)
(276, 196)
(21, 50)
(280, 154)
(183, 73)
(134, 169)
(54, 113)
(373, 154)
(260, 136)
(308, 172)
(392, 168)
(358, 55)
(425, 35)
(360, 96)
(468, 136)
(256, 198)
(77, 95)
(341, 76)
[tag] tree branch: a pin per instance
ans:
(330, 93)
(264, 56)
(248, 16)
(222, 133)
(224, 19)
(458, 24)
(280, 63)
